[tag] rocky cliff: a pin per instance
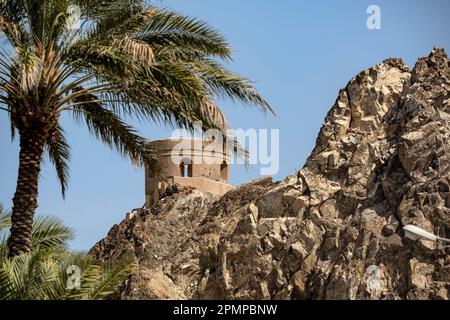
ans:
(333, 230)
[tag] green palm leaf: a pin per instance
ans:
(5, 218)
(43, 273)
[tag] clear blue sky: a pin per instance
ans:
(300, 54)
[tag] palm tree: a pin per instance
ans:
(125, 59)
(45, 272)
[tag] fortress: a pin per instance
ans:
(187, 162)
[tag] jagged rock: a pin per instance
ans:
(331, 231)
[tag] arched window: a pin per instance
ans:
(186, 167)
(224, 171)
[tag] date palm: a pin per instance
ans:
(125, 59)
(43, 273)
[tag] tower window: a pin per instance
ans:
(224, 171)
(186, 168)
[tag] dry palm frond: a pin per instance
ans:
(213, 114)
(137, 50)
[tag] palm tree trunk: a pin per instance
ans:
(25, 198)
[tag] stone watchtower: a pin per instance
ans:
(187, 162)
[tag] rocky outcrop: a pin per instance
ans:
(333, 230)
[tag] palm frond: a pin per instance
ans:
(166, 28)
(228, 85)
(13, 277)
(112, 274)
(50, 233)
(135, 49)
(5, 218)
(5, 223)
(100, 281)
(59, 154)
(112, 131)
(43, 274)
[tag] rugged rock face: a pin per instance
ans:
(331, 231)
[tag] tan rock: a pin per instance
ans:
(333, 230)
